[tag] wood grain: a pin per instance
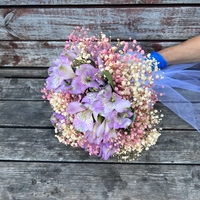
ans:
(22, 144)
(25, 73)
(42, 53)
(29, 53)
(98, 181)
(142, 23)
(37, 114)
(25, 114)
(21, 89)
(96, 2)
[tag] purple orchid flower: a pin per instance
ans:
(119, 120)
(71, 55)
(65, 70)
(83, 120)
(62, 67)
(60, 72)
(93, 103)
(112, 101)
(101, 133)
(86, 78)
(107, 150)
(91, 136)
(54, 81)
(104, 132)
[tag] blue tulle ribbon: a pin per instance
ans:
(181, 85)
(162, 63)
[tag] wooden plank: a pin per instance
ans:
(22, 144)
(142, 23)
(98, 181)
(25, 114)
(29, 53)
(41, 53)
(96, 2)
(25, 72)
(37, 114)
(30, 89)
(21, 89)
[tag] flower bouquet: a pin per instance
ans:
(102, 96)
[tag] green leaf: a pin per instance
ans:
(109, 77)
(100, 118)
(133, 117)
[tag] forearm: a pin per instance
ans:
(188, 51)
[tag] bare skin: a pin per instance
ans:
(186, 52)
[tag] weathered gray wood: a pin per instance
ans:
(25, 72)
(37, 114)
(22, 144)
(41, 53)
(29, 53)
(142, 23)
(96, 2)
(21, 89)
(53, 181)
(30, 89)
(25, 114)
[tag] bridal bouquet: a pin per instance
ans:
(102, 96)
